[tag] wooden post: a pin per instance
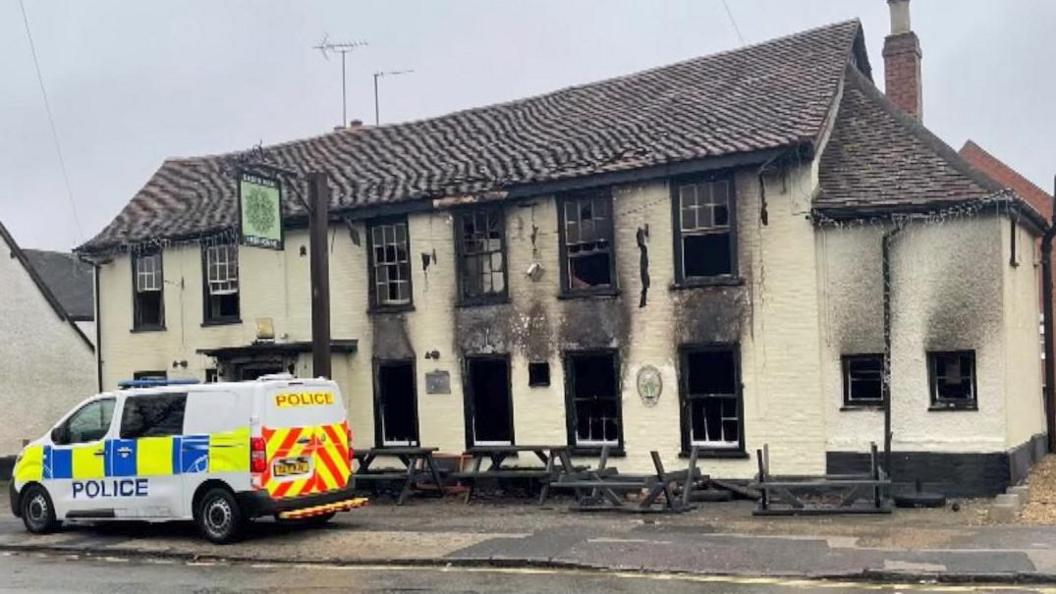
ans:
(319, 198)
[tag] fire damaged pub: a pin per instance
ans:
(754, 247)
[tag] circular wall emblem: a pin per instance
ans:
(650, 385)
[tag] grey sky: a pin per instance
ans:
(131, 83)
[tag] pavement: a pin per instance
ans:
(719, 539)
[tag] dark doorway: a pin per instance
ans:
(252, 371)
(489, 411)
(396, 408)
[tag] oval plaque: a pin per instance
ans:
(650, 385)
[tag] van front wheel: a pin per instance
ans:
(38, 514)
(219, 517)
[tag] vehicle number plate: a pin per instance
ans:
(290, 467)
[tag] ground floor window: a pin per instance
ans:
(712, 411)
(863, 380)
(952, 379)
(592, 400)
(395, 404)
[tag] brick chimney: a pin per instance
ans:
(902, 62)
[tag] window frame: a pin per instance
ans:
(863, 403)
(65, 424)
(942, 404)
(375, 306)
(562, 200)
(207, 318)
(591, 449)
(137, 324)
(684, 397)
(681, 280)
(461, 255)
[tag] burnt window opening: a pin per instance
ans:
(148, 281)
(704, 239)
(952, 379)
(586, 242)
(220, 264)
(863, 380)
(481, 247)
(593, 400)
(150, 375)
(212, 375)
(395, 407)
(538, 374)
(390, 264)
(712, 417)
(489, 409)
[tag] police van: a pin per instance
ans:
(219, 454)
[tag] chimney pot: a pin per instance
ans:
(899, 16)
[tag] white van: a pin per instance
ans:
(220, 454)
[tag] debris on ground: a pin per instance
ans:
(1041, 506)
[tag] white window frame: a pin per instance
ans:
(221, 263)
(148, 273)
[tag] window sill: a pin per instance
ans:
(390, 309)
(592, 294)
(142, 329)
(953, 407)
(469, 303)
(704, 283)
(595, 452)
(727, 454)
(877, 407)
(221, 322)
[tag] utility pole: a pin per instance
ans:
(342, 48)
(377, 75)
(319, 199)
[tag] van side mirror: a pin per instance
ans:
(58, 435)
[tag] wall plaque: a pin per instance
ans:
(438, 382)
(650, 385)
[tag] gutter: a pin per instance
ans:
(1047, 309)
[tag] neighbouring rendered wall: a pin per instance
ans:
(45, 366)
(1025, 413)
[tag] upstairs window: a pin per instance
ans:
(148, 307)
(863, 380)
(952, 380)
(711, 399)
(390, 265)
(588, 262)
(480, 239)
(704, 246)
(221, 283)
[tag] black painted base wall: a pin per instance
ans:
(952, 474)
(7, 464)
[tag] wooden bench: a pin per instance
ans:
(417, 464)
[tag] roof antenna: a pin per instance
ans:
(377, 75)
(343, 48)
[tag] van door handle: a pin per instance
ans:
(99, 452)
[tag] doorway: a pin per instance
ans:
(395, 406)
(489, 409)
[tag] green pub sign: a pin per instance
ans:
(260, 211)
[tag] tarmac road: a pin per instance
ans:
(112, 575)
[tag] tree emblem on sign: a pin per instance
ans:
(260, 213)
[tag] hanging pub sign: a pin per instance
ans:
(260, 211)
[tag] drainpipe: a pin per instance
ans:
(885, 248)
(1047, 309)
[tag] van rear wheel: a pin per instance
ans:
(38, 514)
(218, 516)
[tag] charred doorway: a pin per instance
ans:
(395, 404)
(489, 408)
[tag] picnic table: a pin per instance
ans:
(417, 463)
(497, 455)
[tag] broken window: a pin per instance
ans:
(221, 283)
(480, 237)
(593, 400)
(148, 308)
(711, 399)
(538, 374)
(863, 380)
(395, 407)
(586, 235)
(390, 264)
(704, 246)
(952, 376)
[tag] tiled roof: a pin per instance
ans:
(1007, 177)
(69, 279)
(772, 95)
(879, 158)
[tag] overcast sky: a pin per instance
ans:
(131, 83)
